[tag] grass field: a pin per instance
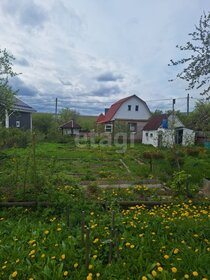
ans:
(77, 237)
(167, 242)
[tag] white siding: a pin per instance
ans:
(143, 112)
(150, 138)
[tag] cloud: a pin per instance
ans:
(106, 91)
(22, 61)
(27, 13)
(23, 89)
(109, 77)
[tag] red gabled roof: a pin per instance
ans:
(155, 122)
(112, 110)
(100, 118)
(71, 124)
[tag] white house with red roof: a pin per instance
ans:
(129, 114)
(167, 130)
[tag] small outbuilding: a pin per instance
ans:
(70, 128)
(165, 131)
(19, 116)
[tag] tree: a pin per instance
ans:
(67, 114)
(199, 119)
(6, 71)
(197, 65)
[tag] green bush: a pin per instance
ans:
(14, 137)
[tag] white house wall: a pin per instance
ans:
(188, 137)
(143, 112)
(150, 138)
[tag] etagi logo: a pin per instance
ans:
(119, 140)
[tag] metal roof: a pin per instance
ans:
(19, 105)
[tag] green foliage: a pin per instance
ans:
(14, 137)
(65, 115)
(6, 71)
(197, 65)
(182, 185)
(47, 243)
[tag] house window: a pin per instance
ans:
(108, 127)
(17, 123)
(147, 134)
(137, 107)
(151, 134)
(132, 127)
(129, 107)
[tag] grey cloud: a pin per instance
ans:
(23, 89)
(109, 77)
(106, 91)
(28, 13)
(22, 61)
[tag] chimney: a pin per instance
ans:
(106, 110)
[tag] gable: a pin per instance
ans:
(119, 110)
(133, 108)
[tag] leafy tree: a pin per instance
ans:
(6, 71)
(199, 119)
(197, 65)
(67, 114)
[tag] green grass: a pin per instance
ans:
(39, 245)
(57, 165)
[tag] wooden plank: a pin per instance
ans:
(126, 167)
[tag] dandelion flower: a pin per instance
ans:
(90, 276)
(154, 273)
(98, 274)
(65, 273)
(195, 273)
(14, 274)
(76, 265)
(160, 269)
(186, 276)
(144, 278)
(174, 269)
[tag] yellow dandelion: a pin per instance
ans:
(63, 256)
(90, 276)
(186, 276)
(166, 257)
(195, 273)
(144, 278)
(14, 274)
(154, 273)
(174, 269)
(90, 266)
(46, 232)
(94, 257)
(176, 251)
(95, 240)
(42, 255)
(65, 273)
(98, 274)
(76, 265)
(160, 269)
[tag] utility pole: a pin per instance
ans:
(188, 104)
(56, 107)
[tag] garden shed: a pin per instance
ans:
(166, 130)
(70, 128)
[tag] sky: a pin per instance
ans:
(91, 53)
